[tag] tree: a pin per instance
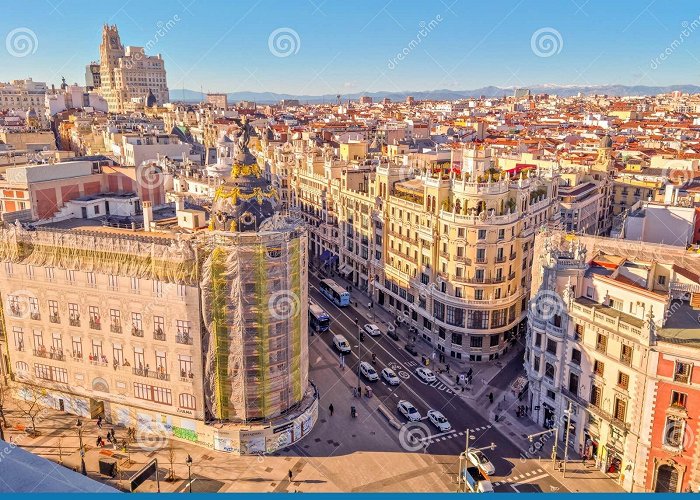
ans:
(31, 407)
(171, 460)
(4, 399)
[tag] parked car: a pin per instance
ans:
(408, 410)
(341, 343)
(425, 374)
(368, 371)
(411, 349)
(372, 329)
(390, 377)
(480, 460)
(439, 420)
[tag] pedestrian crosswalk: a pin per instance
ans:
(441, 387)
(443, 437)
(515, 478)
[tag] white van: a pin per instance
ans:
(341, 343)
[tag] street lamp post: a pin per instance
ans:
(188, 461)
(566, 437)
(359, 348)
(464, 459)
(83, 470)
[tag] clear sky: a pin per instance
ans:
(342, 47)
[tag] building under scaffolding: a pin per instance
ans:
(199, 333)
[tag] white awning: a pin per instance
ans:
(345, 269)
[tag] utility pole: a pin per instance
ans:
(554, 430)
(359, 346)
(566, 438)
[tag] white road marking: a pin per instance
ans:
(435, 437)
(526, 481)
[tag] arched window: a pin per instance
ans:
(666, 479)
(188, 401)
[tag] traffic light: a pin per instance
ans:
(362, 336)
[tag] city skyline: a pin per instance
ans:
(312, 48)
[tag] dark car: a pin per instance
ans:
(411, 349)
(392, 333)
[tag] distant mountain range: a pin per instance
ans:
(443, 94)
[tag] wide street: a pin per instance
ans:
(513, 473)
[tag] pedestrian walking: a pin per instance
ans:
(330, 409)
(491, 397)
(289, 474)
(583, 460)
(99, 422)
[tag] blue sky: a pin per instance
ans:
(347, 47)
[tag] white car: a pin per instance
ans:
(439, 420)
(480, 460)
(425, 374)
(368, 371)
(341, 343)
(408, 410)
(372, 329)
(390, 377)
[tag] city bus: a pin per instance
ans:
(319, 319)
(335, 293)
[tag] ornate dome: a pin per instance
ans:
(245, 199)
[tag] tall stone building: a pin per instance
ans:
(128, 75)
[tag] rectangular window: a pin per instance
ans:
(623, 380)
(50, 273)
(536, 363)
(551, 346)
(38, 340)
(136, 324)
(573, 384)
(493, 342)
(135, 284)
(115, 321)
(113, 282)
(51, 373)
(549, 371)
(598, 367)
(161, 362)
(620, 409)
(118, 355)
(90, 278)
(159, 327)
(95, 319)
(19, 337)
(77, 347)
(73, 314)
(57, 343)
(673, 432)
(576, 357)
(679, 399)
(157, 288)
(139, 360)
(601, 344)
(682, 373)
(476, 341)
(596, 396)
(626, 354)
(185, 362)
(152, 393)
(181, 291)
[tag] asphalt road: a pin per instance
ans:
(524, 472)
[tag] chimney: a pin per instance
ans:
(147, 215)
(179, 203)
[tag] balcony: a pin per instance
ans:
(115, 328)
(481, 260)
(574, 397)
(144, 372)
(95, 323)
(77, 356)
(52, 354)
(136, 332)
(626, 360)
(183, 338)
(74, 321)
(55, 318)
(511, 276)
(96, 361)
(186, 377)
(159, 334)
(512, 256)
(35, 316)
(500, 259)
